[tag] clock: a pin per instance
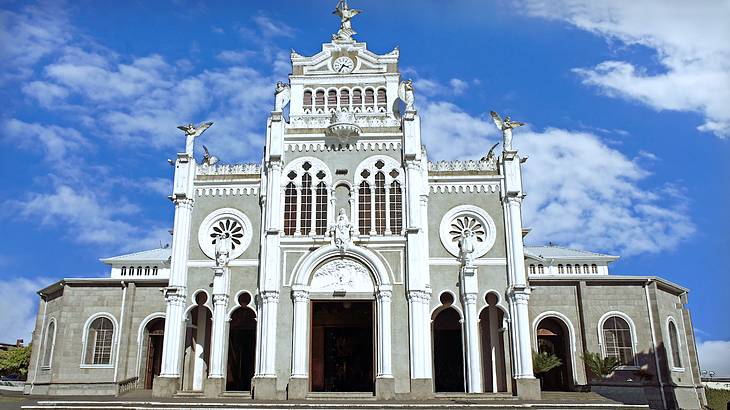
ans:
(343, 65)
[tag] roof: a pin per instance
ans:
(544, 252)
(59, 284)
(151, 255)
(608, 279)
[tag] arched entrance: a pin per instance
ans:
(152, 347)
(241, 346)
(197, 344)
(553, 337)
(448, 351)
(494, 369)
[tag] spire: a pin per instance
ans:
(345, 33)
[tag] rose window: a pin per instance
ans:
(467, 218)
(466, 223)
(227, 228)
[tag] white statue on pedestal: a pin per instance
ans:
(466, 248)
(405, 93)
(341, 231)
(192, 132)
(282, 95)
(223, 247)
(345, 32)
(506, 127)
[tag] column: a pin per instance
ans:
(473, 356)
(218, 335)
(299, 337)
(523, 356)
(267, 351)
(419, 323)
(384, 333)
(176, 291)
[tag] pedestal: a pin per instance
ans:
(528, 389)
(165, 386)
(213, 387)
(385, 388)
(421, 389)
(298, 388)
(263, 388)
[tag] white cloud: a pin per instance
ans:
(271, 28)
(714, 355)
(19, 296)
(56, 143)
(580, 192)
(690, 41)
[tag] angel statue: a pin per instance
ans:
(207, 158)
(192, 132)
(345, 32)
(341, 231)
(506, 127)
(282, 95)
(490, 155)
(405, 93)
(466, 248)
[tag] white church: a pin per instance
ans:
(349, 262)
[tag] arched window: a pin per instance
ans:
(380, 203)
(345, 98)
(369, 99)
(147, 271)
(532, 269)
(99, 340)
(290, 209)
(585, 268)
(364, 207)
(319, 101)
(674, 345)
(48, 343)
(356, 100)
(382, 100)
(594, 268)
(396, 208)
(617, 340)
(139, 271)
(307, 101)
(321, 209)
(569, 268)
(332, 100)
(540, 269)
(305, 215)
(124, 270)
(154, 271)
(561, 269)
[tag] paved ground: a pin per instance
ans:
(143, 400)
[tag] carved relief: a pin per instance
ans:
(342, 275)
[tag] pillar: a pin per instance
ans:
(264, 382)
(214, 385)
(299, 381)
(469, 296)
(384, 382)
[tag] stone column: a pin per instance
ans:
(384, 382)
(265, 379)
(471, 329)
(218, 344)
(299, 381)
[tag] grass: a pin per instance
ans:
(717, 399)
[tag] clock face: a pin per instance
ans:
(343, 65)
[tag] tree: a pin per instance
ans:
(15, 362)
(544, 362)
(600, 367)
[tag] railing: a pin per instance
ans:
(126, 385)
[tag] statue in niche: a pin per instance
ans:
(506, 127)
(223, 247)
(282, 95)
(191, 132)
(342, 231)
(346, 14)
(466, 248)
(405, 93)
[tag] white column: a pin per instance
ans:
(383, 297)
(419, 324)
(473, 356)
(523, 367)
(176, 291)
(300, 337)
(267, 351)
(199, 355)
(218, 336)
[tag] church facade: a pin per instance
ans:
(349, 261)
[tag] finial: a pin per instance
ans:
(345, 32)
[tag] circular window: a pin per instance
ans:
(476, 221)
(225, 223)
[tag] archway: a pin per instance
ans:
(197, 344)
(241, 346)
(554, 338)
(152, 347)
(494, 369)
(448, 351)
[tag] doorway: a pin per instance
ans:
(154, 332)
(241, 347)
(448, 352)
(552, 337)
(342, 354)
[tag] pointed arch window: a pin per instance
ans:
(396, 208)
(306, 197)
(364, 208)
(48, 343)
(305, 215)
(380, 203)
(674, 345)
(380, 196)
(290, 208)
(321, 209)
(99, 340)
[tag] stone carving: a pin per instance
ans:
(467, 232)
(192, 132)
(456, 166)
(363, 120)
(490, 155)
(405, 93)
(466, 247)
(342, 231)
(282, 95)
(346, 14)
(342, 275)
(207, 158)
(342, 126)
(229, 169)
(506, 127)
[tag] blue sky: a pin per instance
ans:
(628, 118)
